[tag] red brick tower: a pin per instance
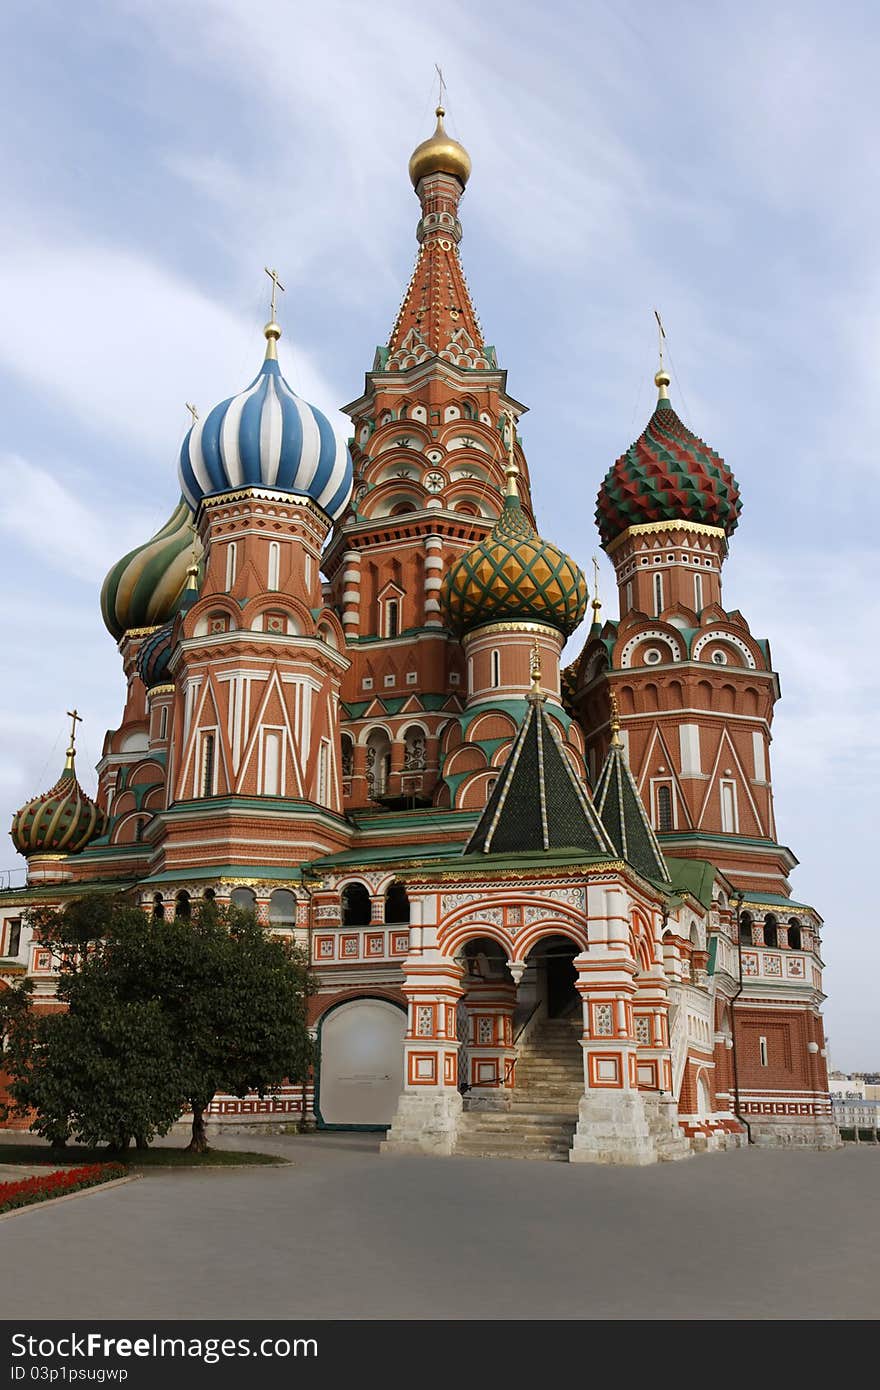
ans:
(429, 454)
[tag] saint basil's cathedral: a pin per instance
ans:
(547, 908)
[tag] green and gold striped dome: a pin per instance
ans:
(61, 821)
(514, 575)
(145, 587)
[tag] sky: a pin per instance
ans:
(710, 161)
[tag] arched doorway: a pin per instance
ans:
(360, 1064)
(552, 960)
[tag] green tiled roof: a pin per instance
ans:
(538, 802)
(623, 816)
(694, 876)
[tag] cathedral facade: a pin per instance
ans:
(547, 906)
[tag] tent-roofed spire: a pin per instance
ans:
(538, 802)
(623, 813)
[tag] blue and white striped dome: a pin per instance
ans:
(267, 437)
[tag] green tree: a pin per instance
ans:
(160, 1016)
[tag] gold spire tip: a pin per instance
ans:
(75, 718)
(615, 722)
(597, 602)
(535, 691)
(511, 468)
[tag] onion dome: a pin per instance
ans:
(155, 651)
(267, 437)
(513, 574)
(146, 586)
(440, 154)
(668, 474)
(61, 821)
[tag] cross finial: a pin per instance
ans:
(661, 335)
(75, 718)
(276, 285)
(597, 602)
(441, 90)
(511, 471)
(661, 376)
(193, 412)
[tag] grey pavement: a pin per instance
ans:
(347, 1232)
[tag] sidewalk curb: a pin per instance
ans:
(69, 1196)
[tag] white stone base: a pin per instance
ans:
(670, 1140)
(425, 1123)
(788, 1133)
(613, 1128)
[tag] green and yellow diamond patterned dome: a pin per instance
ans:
(514, 575)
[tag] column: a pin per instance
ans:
(433, 580)
(351, 593)
(427, 1115)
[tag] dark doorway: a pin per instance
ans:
(555, 955)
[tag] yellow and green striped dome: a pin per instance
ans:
(145, 587)
(514, 575)
(61, 821)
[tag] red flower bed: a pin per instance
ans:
(27, 1190)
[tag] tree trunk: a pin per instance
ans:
(198, 1144)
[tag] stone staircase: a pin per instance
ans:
(543, 1115)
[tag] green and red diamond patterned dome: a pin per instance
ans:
(668, 474)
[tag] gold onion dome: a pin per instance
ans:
(440, 154)
(145, 588)
(514, 575)
(61, 821)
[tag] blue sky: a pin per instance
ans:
(713, 161)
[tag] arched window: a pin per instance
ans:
(414, 750)
(745, 928)
(347, 755)
(158, 908)
(396, 904)
(181, 905)
(392, 617)
(243, 898)
(209, 895)
(274, 564)
(698, 593)
(230, 565)
(356, 906)
(207, 778)
(664, 807)
(495, 660)
(795, 939)
(658, 595)
(771, 936)
(378, 763)
(282, 908)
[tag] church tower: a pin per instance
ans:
(695, 688)
(431, 434)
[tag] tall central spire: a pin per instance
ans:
(437, 318)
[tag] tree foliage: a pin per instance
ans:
(160, 1016)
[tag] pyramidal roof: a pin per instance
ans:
(623, 813)
(538, 803)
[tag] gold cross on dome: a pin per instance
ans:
(276, 285)
(75, 718)
(441, 94)
(193, 412)
(661, 336)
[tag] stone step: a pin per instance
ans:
(525, 1127)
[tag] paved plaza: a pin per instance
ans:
(346, 1232)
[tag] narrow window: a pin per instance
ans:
(762, 1044)
(323, 772)
(729, 821)
(163, 722)
(230, 565)
(207, 765)
(664, 808)
(698, 593)
(658, 595)
(471, 675)
(158, 908)
(307, 570)
(271, 763)
(274, 563)
(771, 935)
(496, 670)
(14, 943)
(392, 618)
(629, 596)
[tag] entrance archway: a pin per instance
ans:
(360, 1067)
(555, 976)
